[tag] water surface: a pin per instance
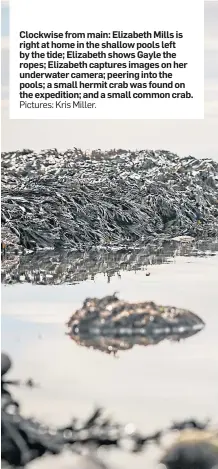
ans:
(150, 386)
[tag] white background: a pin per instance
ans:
(95, 16)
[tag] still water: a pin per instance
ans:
(149, 386)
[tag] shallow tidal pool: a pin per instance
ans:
(149, 386)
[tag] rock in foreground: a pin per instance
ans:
(111, 317)
(194, 449)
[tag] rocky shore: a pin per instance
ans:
(74, 200)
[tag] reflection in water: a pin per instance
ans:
(58, 267)
(112, 345)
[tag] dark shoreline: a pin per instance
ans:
(76, 201)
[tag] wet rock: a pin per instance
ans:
(194, 449)
(5, 363)
(76, 200)
(111, 317)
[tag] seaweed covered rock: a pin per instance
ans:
(111, 317)
(75, 200)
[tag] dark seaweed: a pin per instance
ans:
(24, 440)
(76, 201)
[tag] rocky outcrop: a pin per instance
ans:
(111, 317)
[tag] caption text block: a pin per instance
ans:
(89, 60)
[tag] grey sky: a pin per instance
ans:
(184, 137)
